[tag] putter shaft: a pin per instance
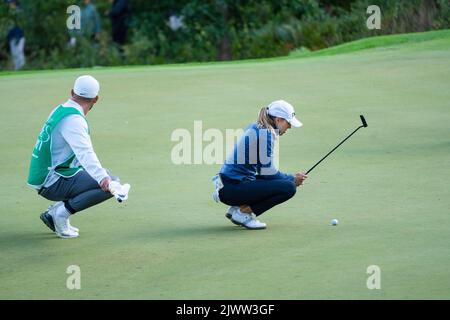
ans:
(334, 149)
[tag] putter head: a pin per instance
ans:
(363, 121)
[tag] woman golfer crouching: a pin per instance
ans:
(248, 181)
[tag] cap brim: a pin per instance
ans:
(295, 123)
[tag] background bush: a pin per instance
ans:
(213, 29)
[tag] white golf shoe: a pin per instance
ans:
(56, 205)
(230, 212)
(247, 220)
(60, 219)
(72, 228)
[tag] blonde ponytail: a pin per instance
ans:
(265, 121)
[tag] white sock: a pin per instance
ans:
(57, 204)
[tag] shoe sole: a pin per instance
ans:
(248, 228)
(65, 237)
(48, 221)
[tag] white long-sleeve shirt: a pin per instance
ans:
(71, 135)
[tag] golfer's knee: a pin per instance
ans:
(290, 189)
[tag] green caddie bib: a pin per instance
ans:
(41, 159)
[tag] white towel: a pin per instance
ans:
(120, 192)
(217, 186)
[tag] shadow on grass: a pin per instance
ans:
(194, 231)
(16, 240)
(22, 239)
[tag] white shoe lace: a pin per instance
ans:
(248, 218)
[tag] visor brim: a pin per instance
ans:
(295, 122)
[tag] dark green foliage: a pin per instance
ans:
(213, 29)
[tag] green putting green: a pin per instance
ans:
(388, 185)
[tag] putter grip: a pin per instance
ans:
(363, 121)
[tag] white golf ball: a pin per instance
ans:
(334, 222)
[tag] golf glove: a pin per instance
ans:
(120, 192)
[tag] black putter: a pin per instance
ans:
(364, 124)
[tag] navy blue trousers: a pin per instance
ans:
(259, 194)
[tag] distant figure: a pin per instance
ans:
(119, 20)
(90, 24)
(16, 41)
(175, 22)
(90, 20)
(16, 38)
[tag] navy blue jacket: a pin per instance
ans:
(253, 156)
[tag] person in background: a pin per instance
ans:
(119, 20)
(16, 37)
(175, 22)
(90, 21)
(90, 24)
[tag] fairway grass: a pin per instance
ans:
(388, 185)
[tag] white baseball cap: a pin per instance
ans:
(86, 87)
(285, 110)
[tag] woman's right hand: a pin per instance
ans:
(299, 178)
(104, 184)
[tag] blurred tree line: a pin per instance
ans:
(172, 31)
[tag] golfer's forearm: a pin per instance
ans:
(278, 176)
(79, 141)
(86, 156)
(90, 163)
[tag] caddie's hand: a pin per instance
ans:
(104, 184)
(299, 178)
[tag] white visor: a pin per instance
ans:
(294, 122)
